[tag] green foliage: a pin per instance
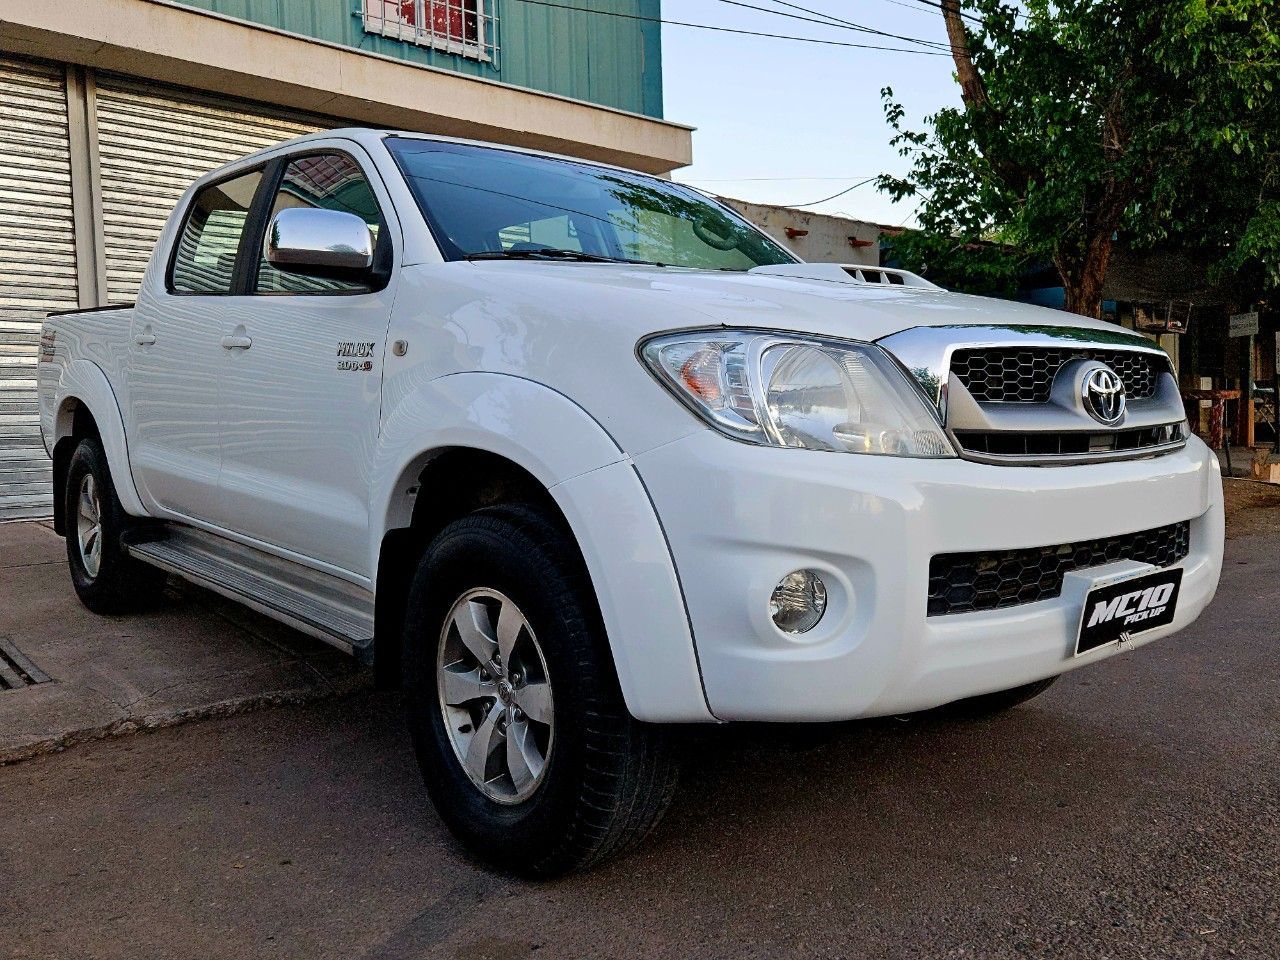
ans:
(986, 268)
(1154, 121)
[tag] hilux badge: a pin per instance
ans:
(356, 356)
(1103, 395)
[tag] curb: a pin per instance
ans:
(175, 718)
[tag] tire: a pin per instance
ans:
(605, 779)
(106, 578)
(989, 704)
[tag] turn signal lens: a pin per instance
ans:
(701, 377)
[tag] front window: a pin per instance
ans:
(325, 181)
(487, 202)
(466, 27)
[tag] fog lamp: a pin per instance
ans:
(798, 602)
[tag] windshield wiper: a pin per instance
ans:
(554, 253)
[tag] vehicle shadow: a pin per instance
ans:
(1000, 836)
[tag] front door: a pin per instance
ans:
(176, 352)
(300, 400)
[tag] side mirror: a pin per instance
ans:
(319, 242)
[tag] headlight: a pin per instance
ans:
(794, 391)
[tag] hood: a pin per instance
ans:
(575, 327)
(808, 298)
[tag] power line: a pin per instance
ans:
(971, 17)
(718, 29)
(909, 6)
(837, 20)
(813, 203)
(831, 21)
(937, 5)
(762, 179)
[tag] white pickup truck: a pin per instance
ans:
(575, 452)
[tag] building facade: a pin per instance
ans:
(110, 108)
(816, 237)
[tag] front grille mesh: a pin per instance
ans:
(990, 580)
(1025, 374)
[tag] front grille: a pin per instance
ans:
(1025, 374)
(990, 580)
(1057, 444)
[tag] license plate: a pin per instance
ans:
(1121, 610)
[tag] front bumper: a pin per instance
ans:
(739, 517)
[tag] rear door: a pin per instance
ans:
(177, 351)
(300, 403)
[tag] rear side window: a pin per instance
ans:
(205, 260)
(329, 181)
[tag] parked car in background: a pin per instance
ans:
(576, 453)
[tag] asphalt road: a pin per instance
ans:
(1130, 812)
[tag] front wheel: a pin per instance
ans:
(524, 741)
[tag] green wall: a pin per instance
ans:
(608, 60)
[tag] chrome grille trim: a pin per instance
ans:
(928, 354)
(1019, 446)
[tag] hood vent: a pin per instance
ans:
(847, 273)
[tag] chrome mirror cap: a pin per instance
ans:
(308, 239)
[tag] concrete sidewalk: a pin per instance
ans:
(195, 655)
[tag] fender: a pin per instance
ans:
(526, 422)
(84, 382)
(597, 489)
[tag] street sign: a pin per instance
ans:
(1242, 325)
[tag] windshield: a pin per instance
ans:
(483, 203)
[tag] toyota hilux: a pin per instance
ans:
(573, 454)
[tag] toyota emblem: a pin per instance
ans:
(1104, 395)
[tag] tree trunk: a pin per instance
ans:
(1083, 275)
(972, 88)
(973, 91)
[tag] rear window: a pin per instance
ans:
(205, 259)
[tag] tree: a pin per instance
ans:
(989, 269)
(1085, 121)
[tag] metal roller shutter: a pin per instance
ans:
(37, 266)
(153, 141)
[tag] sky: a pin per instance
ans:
(785, 122)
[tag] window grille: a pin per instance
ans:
(468, 28)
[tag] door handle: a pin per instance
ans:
(144, 339)
(237, 342)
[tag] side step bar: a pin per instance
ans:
(323, 606)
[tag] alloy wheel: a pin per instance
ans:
(89, 525)
(495, 695)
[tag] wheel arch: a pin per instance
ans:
(73, 422)
(86, 406)
(442, 485)
(495, 438)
